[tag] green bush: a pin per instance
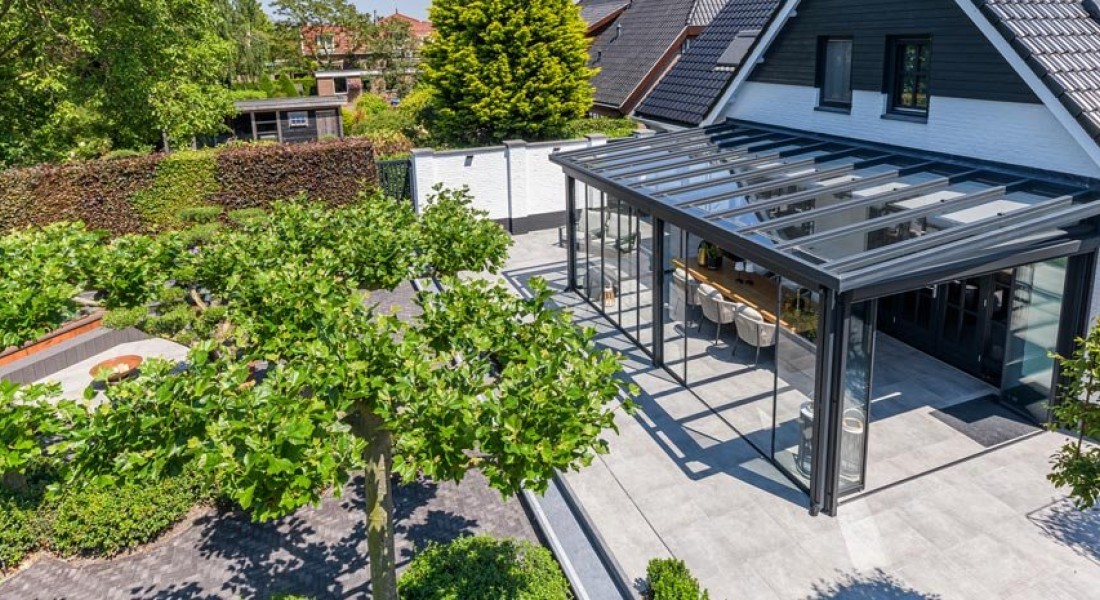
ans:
(104, 522)
(121, 318)
(287, 87)
(308, 85)
(184, 179)
(245, 217)
(130, 271)
(41, 270)
(19, 527)
(124, 153)
(483, 568)
(200, 214)
(611, 127)
(670, 579)
(238, 95)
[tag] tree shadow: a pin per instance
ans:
(874, 586)
(1078, 529)
(185, 591)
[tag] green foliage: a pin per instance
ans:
(149, 193)
(200, 214)
(124, 153)
(611, 127)
(75, 77)
(502, 69)
(93, 521)
(130, 270)
(308, 85)
(121, 318)
(483, 568)
(246, 217)
(286, 87)
(670, 579)
(104, 522)
(41, 270)
(183, 180)
(452, 243)
(248, 95)
(248, 30)
(1077, 463)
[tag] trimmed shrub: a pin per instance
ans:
(247, 217)
(104, 522)
(247, 95)
(483, 568)
(121, 318)
(19, 528)
(183, 180)
(125, 153)
(200, 214)
(670, 579)
(148, 193)
(253, 176)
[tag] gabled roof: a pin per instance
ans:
(686, 94)
(597, 13)
(1060, 41)
(301, 103)
(417, 27)
(629, 50)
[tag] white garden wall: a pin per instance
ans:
(515, 182)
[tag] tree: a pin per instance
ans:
(311, 19)
(246, 26)
(481, 379)
(507, 68)
(1076, 464)
(392, 50)
(80, 78)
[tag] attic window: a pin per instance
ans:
(737, 50)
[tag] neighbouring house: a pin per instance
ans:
(865, 250)
(634, 43)
(290, 120)
(691, 88)
(338, 47)
(346, 84)
(420, 30)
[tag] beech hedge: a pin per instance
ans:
(147, 193)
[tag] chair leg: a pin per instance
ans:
(736, 341)
(757, 359)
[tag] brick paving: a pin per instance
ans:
(317, 552)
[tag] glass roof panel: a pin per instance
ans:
(826, 209)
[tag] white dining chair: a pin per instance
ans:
(717, 309)
(754, 330)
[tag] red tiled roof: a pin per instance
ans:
(418, 28)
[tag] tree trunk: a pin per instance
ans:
(379, 497)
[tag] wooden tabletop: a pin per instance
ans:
(762, 294)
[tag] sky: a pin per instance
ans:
(413, 8)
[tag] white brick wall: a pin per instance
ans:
(513, 181)
(1009, 132)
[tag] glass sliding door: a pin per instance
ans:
(857, 396)
(675, 301)
(644, 282)
(796, 378)
(1033, 333)
(590, 231)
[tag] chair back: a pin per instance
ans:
(752, 329)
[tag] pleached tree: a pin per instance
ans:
(481, 379)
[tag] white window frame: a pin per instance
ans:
(298, 118)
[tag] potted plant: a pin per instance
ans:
(710, 256)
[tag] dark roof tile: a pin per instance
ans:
(1060, 41)
(690, 89)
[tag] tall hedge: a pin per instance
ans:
(138, 195)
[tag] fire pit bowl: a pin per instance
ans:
(117, 368)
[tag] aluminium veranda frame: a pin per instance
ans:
(726, 184)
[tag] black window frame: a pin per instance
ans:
(340, 85)
(822, 64)
(895, 79)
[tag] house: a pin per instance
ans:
(418, 29)
(346, 84)
(871, 242)
(339, 47)
(289, 120)
(634, 43)
(691, 88)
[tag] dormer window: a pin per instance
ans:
(834, 73)
(909, 60)
(326, 43)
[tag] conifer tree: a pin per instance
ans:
(503, 69)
